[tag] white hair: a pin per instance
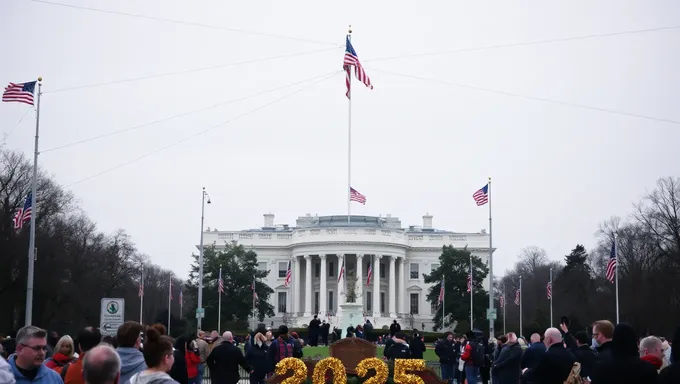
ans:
(227, 335)
(651, 342)
(101, 365)
(554, 335)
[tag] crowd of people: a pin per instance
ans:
(139, 354)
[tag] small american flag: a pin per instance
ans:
(441, 292)
(141, 288)
(611, 265)
(342, 271)
(220, 283)
(469, 282)
(482, 195)
(19, 92)
(352, 60)
(354, 195)
(370, 274)
(517, 294)
(502, 301)
(549, 289)
(252, 287)
(289, 275)
(23, 214)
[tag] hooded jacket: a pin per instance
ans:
(44, 376)
(151, 378)
(132, 361)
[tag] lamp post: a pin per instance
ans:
(204, 194)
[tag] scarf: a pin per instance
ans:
(654, 360)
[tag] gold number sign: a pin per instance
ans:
(403, 365)
(335, 365)
(297, 366)
(381, 371)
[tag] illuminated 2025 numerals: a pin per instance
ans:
(401, 366)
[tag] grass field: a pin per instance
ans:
(429, 354)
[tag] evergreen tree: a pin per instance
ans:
(577, 259)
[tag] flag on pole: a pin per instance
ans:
(352, 60)
(354, 195)
(441, 293)
(469, 282)
(342, 270)
(180, 294)
(141, 288)
(19, 92)
(517, 297)
(23, 214)
(289, 275)
(370, 274)
(549, 289)
(252, 287)
(611, 265)
(220, 283)
(481, 197)
(502, 301)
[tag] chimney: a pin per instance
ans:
(427, 221)
(268, 220)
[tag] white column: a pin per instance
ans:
(341, 290)
(308, 285)
(323, 291)
(360, 280)
(392, 288)
(296, 284)
(376, 286)
(402, 285)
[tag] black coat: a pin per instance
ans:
(506, 367)
(533, 355)
(417, 348)
(258, 360)
(445, 352)
(553, 367)
(670, 374)
(629, 370)
(587, 358)
(224, 361)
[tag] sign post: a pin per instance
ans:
(491, 314)
(112, 315)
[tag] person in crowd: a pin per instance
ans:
(88, 338)
(112, 341)
(417, 346)
(359, 331)
(500, 344)
(459, 347)
(447, 356)
(52, 340)
(473, 355)
(506, 366)
(63, 354)
(224, 361)
(270, 337)
(129, 337)
(579, 345)
(533, 354)
(556, 363)
(603, 332)
(368, 330)
(651, 351)
(27, 363)
(101, 365)
(192, 357)
(203, 350)
(314, 326)
(325, 332)
(671, 374)
(160, 328)
(257, 359)
(394, 328)
(398, 348)
(283, 346)
(6, 375)
(158, 357)
(625, 365)
(179, 371)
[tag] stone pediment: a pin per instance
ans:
(281, 287)
(414, 287)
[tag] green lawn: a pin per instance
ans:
(429, 354)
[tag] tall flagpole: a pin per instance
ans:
(254, 320)
(520, 306)
(616, 270)
(491, 292)
(551, 297)
(219, 305)
(141, 297)
(443, 301)
(169, 302)
(472, 291)
(34, 213)
(181, 303)
(348, 73)
(504, 305)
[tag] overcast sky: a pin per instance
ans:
(418, 145)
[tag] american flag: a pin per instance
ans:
(220, 283)
(502, 301)
(141, 288)
(469, 282)
(289, 275)
(19, 92)
(342, 271)
(23, 214)
(441, 292)
(517, 294)
(354, 195)
(370, 274)
(611, 266)
(482, 195)
(180, 294)
(252, 287)
(549, 288)
(352, 60)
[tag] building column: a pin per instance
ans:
(308, 285)
(402, 286)
(323, 291)
(376, 286)
(392, 288)
(341, 282)
(360, 281)
(296, 285)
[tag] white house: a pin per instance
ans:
(316, 248)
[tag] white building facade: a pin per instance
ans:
(317, 247)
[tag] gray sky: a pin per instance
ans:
(418, 146)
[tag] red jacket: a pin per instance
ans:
(467, 353)
(57, 361)
(192, 359)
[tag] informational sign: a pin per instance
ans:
(200, 313)
(491, 314)
(112, 316)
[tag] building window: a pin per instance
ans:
(349, 267)
(414, 271)
(382, 302)
(434, 307)
(316, 302)
(331, 306)
(331, 269)
(317, 270)
(262, 266)
(383, 270)
(282, 302)
(369, 301)
(414, 303)
(434, 267)
(283, 269)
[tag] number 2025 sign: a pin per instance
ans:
(401, 366)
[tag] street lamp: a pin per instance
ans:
(204, 194)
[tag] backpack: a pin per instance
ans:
(283, 348)
(477, 354)
(64, 369)
(575, 375)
